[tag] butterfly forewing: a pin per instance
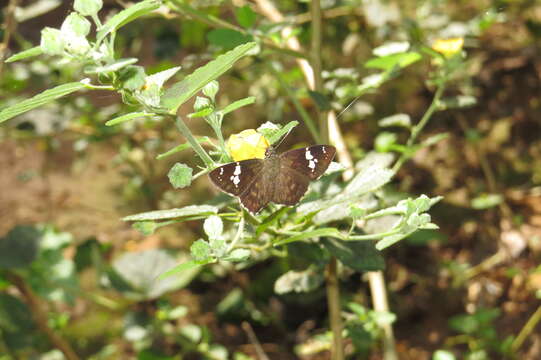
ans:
(311, 161)
(236, 177)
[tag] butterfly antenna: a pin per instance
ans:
(348, 106)
(282, 139)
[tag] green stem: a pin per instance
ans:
(238, 235)
(193, 142)
(420, 125)
(527, 329)
(302, 112)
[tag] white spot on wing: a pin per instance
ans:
(235, 178)
(323, 149)
(311, 160)
(221, 171)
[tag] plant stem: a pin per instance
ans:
(315, 60)
(298, 106)
(380, 303)
(527, 329)
(40, 316)
(333, 299)
(183, 128)
(420, 125)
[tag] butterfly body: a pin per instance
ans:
(279, 178)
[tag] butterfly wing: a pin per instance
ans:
(297, 168)
(311, 161)
(236, 177)
(245, 180)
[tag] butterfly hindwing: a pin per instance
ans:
(290, 186)
(257, 195)
(236, 177)
(311, 161)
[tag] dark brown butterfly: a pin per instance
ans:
(278, 178)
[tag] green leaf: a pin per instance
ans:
(213, 227)
(201, 113)
(145, 227)
(443, 355)
(40, 99)
(238, 104)
(237, 255)
(127, 117)
(390, 240)
(19, 248)
(358, 255)
(141, 270)
(332, 232)
(274, 133)
(132, 77)
(189, 86)
(187, 266)
(125, 16)
(245, 16)
(15, 316)
(87, 7)
(298, 281)
(35, 51)
(457, 102)
(114, 66)
(271, 220)
(389, 62)
(385, 141)
(191, 210)
(52, 42)
(402, 120)
(434, 139)
(181, 147)
(227, 38)
(486, 201)
(76, 24)
(180, 175)
(201, 250)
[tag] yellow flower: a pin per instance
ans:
(248, 144)
(448, 47)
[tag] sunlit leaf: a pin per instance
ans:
(39, 100)
(238, 104)
(35, 51)
(128, 117)
(245, 16)
(189, 86)
(180, 175)
(389, 62)
(125, 16)
(227, 38)
(191, 210)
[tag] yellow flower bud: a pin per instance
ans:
(448, 47)
(248, 144)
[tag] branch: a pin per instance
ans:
(40, 316)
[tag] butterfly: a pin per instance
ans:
(278, 178)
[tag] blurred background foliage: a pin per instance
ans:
(469, 290)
